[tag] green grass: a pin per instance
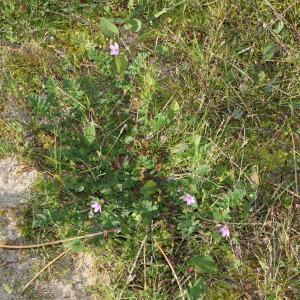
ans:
(207, 104)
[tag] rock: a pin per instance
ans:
(15, 179)
(72, 277)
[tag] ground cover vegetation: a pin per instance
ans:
(176, 122)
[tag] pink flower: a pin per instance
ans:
(224, 230)
(96, 207)
(114, 49)
(189, 199)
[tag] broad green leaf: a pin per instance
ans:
(268, 88)
(121, 64)
(89, 133)
(149, 188)
(204, 264)
(269, 51)
(108, 28)
(128, 139)
(198, 290)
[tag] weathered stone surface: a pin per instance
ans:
(69, 278)
(15, 179)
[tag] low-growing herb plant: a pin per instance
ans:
(156, 117)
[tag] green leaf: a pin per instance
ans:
(128, 139)
(263, 265)
(271, 297)
(179, 148)
(279, 27)
(74, 186)
(108, 28)
(75, 246)
(238, 113)
(198, 290)
(235, 197)
(268, 89)
(295, 104)
(136, 25)
(160, 121)
(89, 133)
(160, 13)
(140, 9)
(205, 264)
(8, 288)
(175, 107)
(196, 140)
(149, 188)
(269, 51)
(121, 64)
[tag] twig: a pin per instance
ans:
(171, 267)
(295, 164)
(87, 236)
(129, 278)
(44, 268)
(136, 259)
(284, 188)
(236, 223)
(145, 267)
(295, 237)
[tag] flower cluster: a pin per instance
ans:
(97, 207)
(114, 49)
(189, 199)
(224, 231)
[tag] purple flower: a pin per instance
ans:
(114, 49)
(189, 199)
(224, 230)
(96, 207)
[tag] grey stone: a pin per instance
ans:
(69, 278)
(15, 179)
